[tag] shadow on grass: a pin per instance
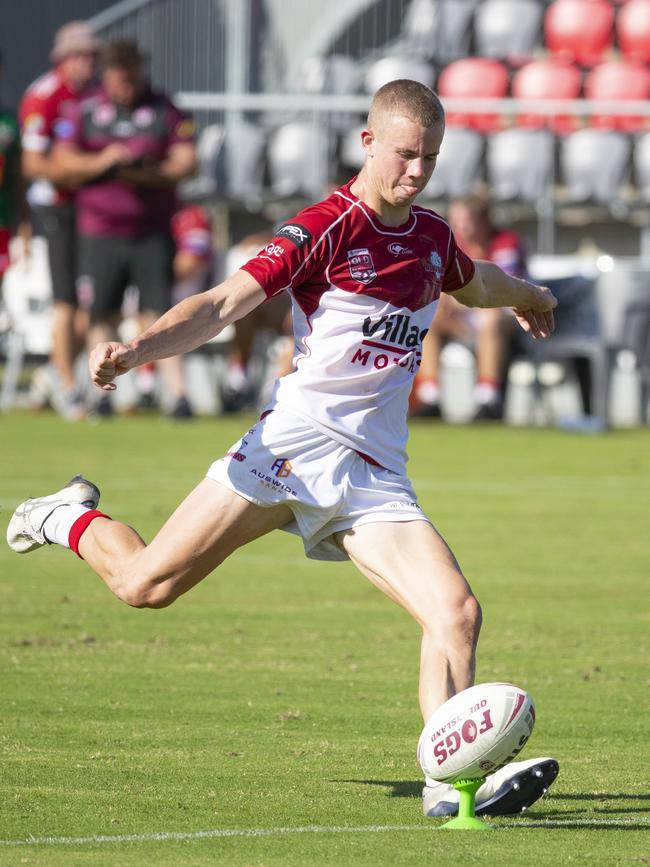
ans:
(603, 796)
(398, 788)
(589, 816)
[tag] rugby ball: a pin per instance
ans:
(476, 732)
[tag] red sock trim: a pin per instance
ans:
(486, 380)
(80, 526)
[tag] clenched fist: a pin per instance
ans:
(109, 360)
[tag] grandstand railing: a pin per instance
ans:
(312, 102)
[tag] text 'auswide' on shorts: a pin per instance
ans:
(329, 487)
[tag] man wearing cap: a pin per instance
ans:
(124, 214)
(43, 107)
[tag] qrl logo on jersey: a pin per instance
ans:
(361, 265)
(282, 468)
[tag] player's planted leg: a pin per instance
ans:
(412, 565)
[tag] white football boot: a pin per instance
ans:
(25, 530)
(510, 790)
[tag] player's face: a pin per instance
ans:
(79, 68)
(403, 157)
(123, 86)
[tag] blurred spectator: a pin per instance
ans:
(42, 109)
(194, 256)
(488, 330)
(125, 151)
(13, 206)
(243, 381)
(193, 272)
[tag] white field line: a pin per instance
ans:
(163, 836)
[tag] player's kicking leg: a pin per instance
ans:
(209, 524)
(410, 562)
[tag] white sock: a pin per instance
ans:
(428, 392)
(56, 527)
(431, 783)
(486, 392)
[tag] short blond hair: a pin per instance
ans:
(406, 98)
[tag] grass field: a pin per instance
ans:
(270, 716)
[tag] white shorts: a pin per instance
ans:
(328, 487)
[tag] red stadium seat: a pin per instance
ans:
(580, 31)
(633, 30)
(618, 80)
(547, 79)
(474, 78)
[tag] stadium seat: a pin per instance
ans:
(297, 158)
(240, 164)
(618, 80)
(474, 78)
(27, 295)
(626, 323)
(398, 66)
(208, 147)
(594, 165)
(459, 165)
(439, 29)
(633, 30)
(520, 164)
(547, 79)
(508, 29)
(580, 31)
(351, 153)
(642, 166)
(337, 73)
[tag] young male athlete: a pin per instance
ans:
(364, 270)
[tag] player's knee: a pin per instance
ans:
(463, 621)
(473, 617)
(147, 593)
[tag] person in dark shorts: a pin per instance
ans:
(124, 213)
(43, 107)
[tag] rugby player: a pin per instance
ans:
(364, 269)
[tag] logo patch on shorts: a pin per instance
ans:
(238, 456)
(297, 234)
(282, 468)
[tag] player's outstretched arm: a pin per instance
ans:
(189, 324)
(492, 287)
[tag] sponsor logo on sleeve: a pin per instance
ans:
(361, 266)
(34, 123)
(185, 128)
(64, 128)
(295, 233)
(273, 250)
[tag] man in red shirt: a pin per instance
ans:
(489, 330)
(44, 105)
(365, 270)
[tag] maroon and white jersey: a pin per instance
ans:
(363, 296)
